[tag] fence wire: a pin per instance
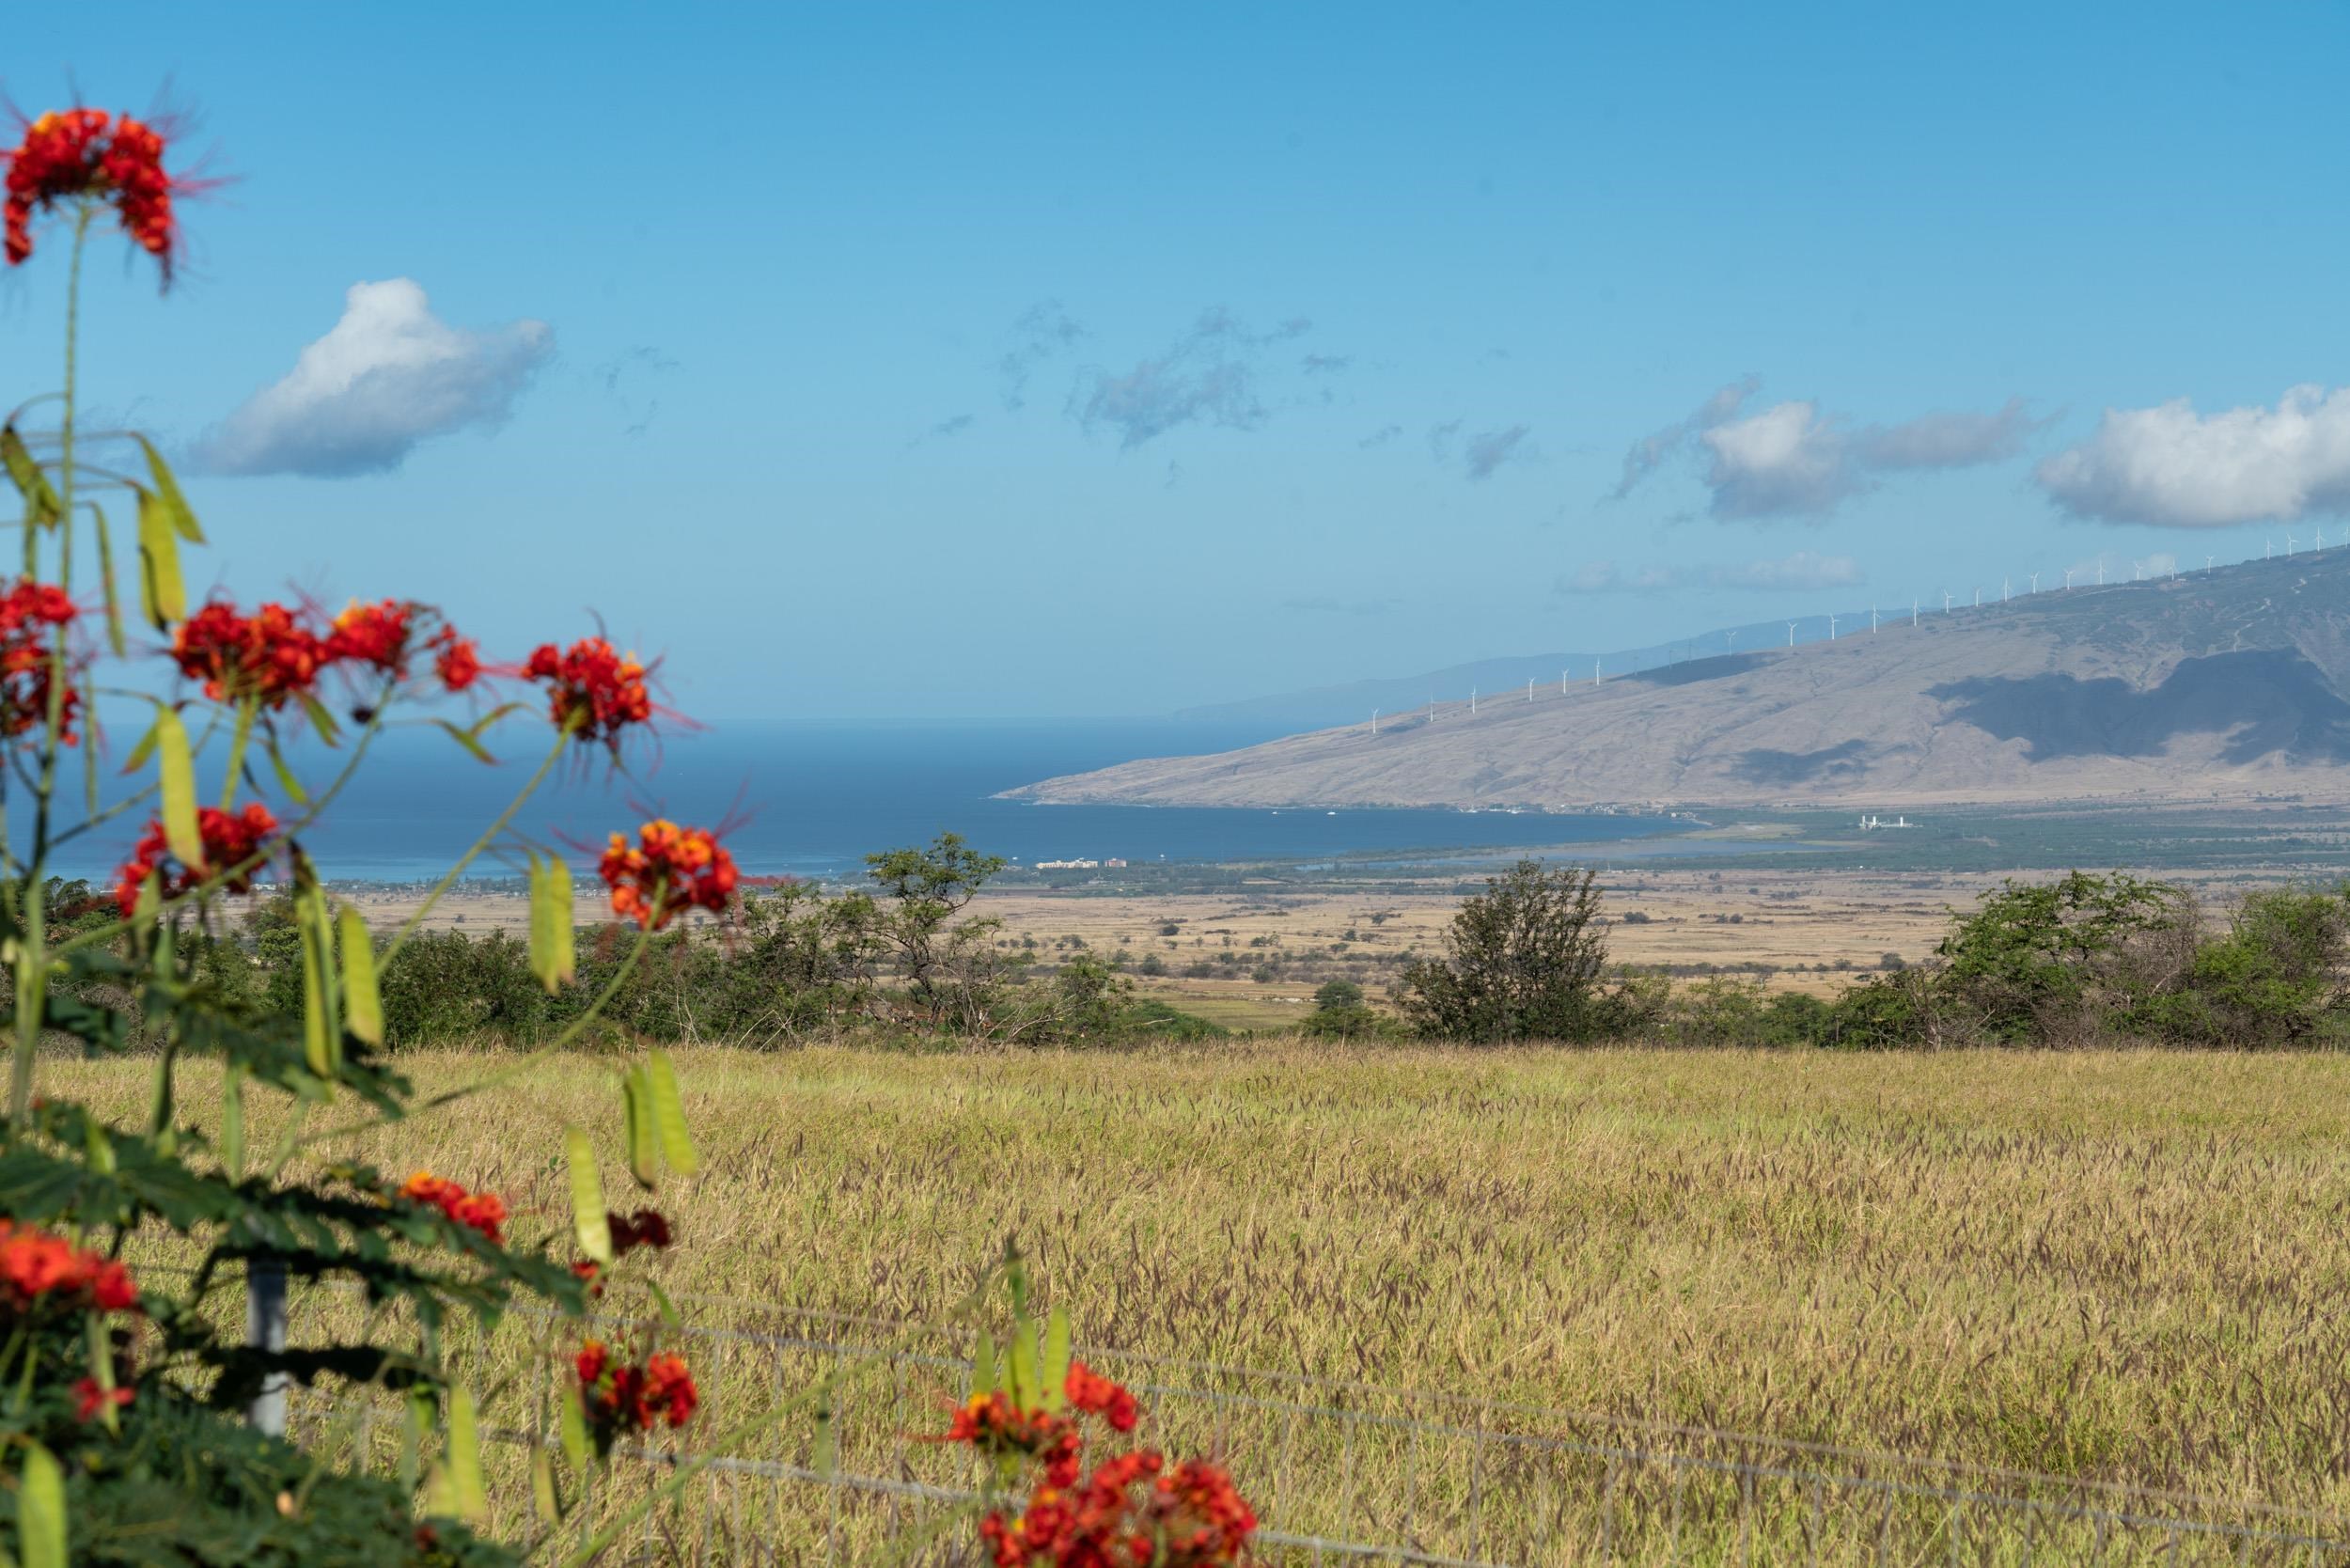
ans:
(1339, 1472)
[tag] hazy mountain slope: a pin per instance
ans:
(2191, 686)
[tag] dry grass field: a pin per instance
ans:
(2124, 1265)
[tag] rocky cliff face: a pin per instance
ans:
(2219, 684)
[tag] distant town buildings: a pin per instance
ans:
(1111, 864)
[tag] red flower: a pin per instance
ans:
(229, 840)
(37, 1268)
(29, 613)
(592, 688)
(645, 1228)
(456, 661)
(1090, 1392)
(273, 655)
(668, 1391)
(618, 1397)
(82, 154)
(670, 869)
(373, 635)
(484, 1212)
(89, 1399)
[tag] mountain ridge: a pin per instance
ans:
(2232, 680)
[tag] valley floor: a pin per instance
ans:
(2119, 1264)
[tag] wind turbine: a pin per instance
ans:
(2268, 548)
(2206, 566)
(1727, 637)
(1946, 601)
(1791, 634)
(1594, 672)
(1978, 598)
(2134, 566)
(2035, 582)
(1375, 721)
(2101, 568)
(1472, 699)
(1530, 688)
(2003, 587)
(2068, 578)
(1913, 612)
(2289, 542)
(1831, 628)
(1873, 620)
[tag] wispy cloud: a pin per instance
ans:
(1794, 458)
(1381, 436)
(1207, 376)
(388, 375)
(2175, 468)
(1324, 364)
(1490, 450)
(1043, 332)
(1803, 569)
(944, 427)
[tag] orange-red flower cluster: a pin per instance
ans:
(592, 688)
(671, 868)
(1132, 1512)
(76, 153)
(30, 613)
(229, 840)
(273, 655)
(1088, 1390)
(40, 1269)
(484, 1212)
(276, 654)
(618, 1397)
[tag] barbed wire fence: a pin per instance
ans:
(1339, 1472)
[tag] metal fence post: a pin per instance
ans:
(265, 1329)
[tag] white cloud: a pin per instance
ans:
(2175, 468)
(1785, 458)
(1794, 458)
(388, 375)
(1803, 569)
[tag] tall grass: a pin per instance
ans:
(2124, 1265)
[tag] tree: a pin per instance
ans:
(1339, 1012)
(1522, 960)
(952, 969)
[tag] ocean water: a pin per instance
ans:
(813, 799)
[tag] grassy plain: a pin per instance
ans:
(2127, 1265)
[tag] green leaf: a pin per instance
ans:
(146, 748)
(162, 593)
(542, 1486)
(421, 1416)
(553, 954)
(467, 739)
(321, 1031)
(42, 507)
(167, 489)
(572, 1422)
(636, 1109)
(662, 1303)
(983, 1365)
(669, 1115)
(587, 1210)
(363, 1008)
(1023, 1367)
(233, 1123)
(466, 1488)
(107, 580)
(40, 1509)
(1056, 1360)
(175, 774)
(324, 721)
(825, 1461)
(286, 779)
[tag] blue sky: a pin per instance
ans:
(1098, 360)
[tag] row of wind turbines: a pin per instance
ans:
(2152, 570)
